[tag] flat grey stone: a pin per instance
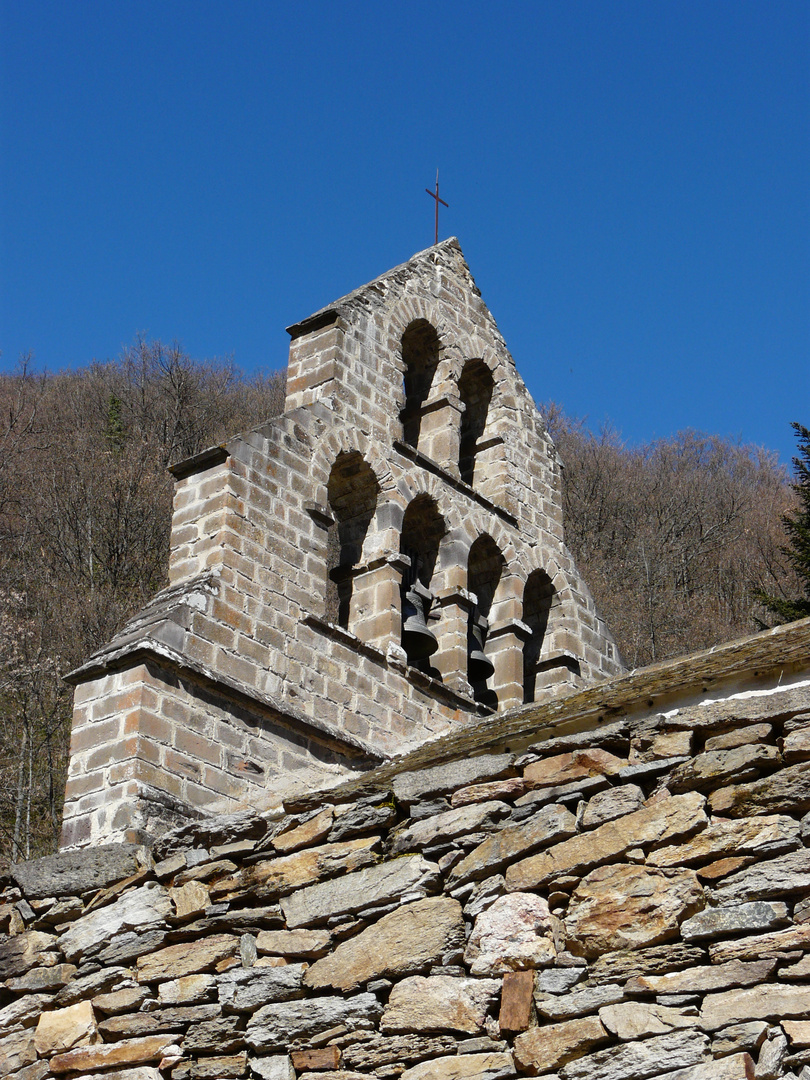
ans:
(71, 873)
(757, 915)
(640, 1059)
(247, 989)
(578, 1002)
(274, 1026)
(441, 779)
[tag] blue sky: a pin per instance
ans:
(630, 183)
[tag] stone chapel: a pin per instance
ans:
(382, 563)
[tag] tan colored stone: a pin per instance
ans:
(762, 945)
(190, 899)
(463, 1067)
(439, 1003)
(626, 906)
(612, 803)
(17, 1050)
(103, 1056)
(188, 990)
(797, 745)
(22, 1011)
(798, 1031)
(774, 1001)
(62, 1029)
(637, 1019)
(516, 1001)
(565, 768)
(186, 958)
(310, 832)
(511, 788)
(325, 1057)
(699, 979)
(787, 790)
(722, 868)
(721, 766)
(548, 825)
(544, 1049)
(739, 737)
(763, 835)
(306, 943)
(20, 953)
(400, 943)
(678, 815)
(272, 877)
(513, 933)
(128, 999)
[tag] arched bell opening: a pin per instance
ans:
(420, 358)
(538, 596)
(352, 492)
(422, 530)
(475, 392)
(485, 565)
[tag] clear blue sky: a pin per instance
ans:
(630, 183)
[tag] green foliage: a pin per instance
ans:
(797, 527)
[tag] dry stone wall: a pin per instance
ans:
(627, 901)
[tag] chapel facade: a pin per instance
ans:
(382, 563)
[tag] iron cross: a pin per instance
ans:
(435, 195)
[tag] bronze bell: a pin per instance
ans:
(480, 667)
(417, 641)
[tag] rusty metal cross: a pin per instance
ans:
(435, 195)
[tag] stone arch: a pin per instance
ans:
(485, 568)
(475, 389)
(419, 347)
(538, 596)
(423, 528)
(352, 494)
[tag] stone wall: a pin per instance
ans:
(611, 885)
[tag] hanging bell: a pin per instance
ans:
(417, 641)
(480, 667)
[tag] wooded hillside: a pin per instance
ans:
(673, 538)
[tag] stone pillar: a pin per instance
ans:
(451, 630)
(439, 432)
(375, 614)
(505, 650)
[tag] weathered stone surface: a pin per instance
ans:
(126, 947)
(308, 943)
(737, 1037)
(762, 945)
(19, 954)
(362, 817)
(98, 982)
(612, 803)
(717, 767)
(214, 1068)
(510, 788)
(513, 933)
(739, 736)
(700, 979)
(41, 980)
(127, 1000)
(579, 1002)
(575, 765)
(272, 877)
(187, 958)
(71, 873)
(543, 1049)
(777, 877)
(797, 745)
(463, 1067)
(223, 1034)
(629, 906)
(400, 943)
(273, 1067)
(446, 826)
(213, 832)
(676, 816)
(247, 989)
(559, 979)
(665, 744)
(628, 964)
(784, 791)
(104, 1056)
(774, 1001)
(439, 1003)
(759, 835)
(190, 899)
(62, 1029)
(638, 1019)
(517, 993)
(310, 832)
(733, 1067)
(411, 875)
(273, 1027)
(23, 1011)
(149, 1023)
(144, 907)
(324, 1057)
(638, 1060)
(17, 1050)
(549, 825)
(383, 1049)
(188, 990)
(38, 1070)
(798, 1031)
(441, 779)
(715, 921)
(772, 1056)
